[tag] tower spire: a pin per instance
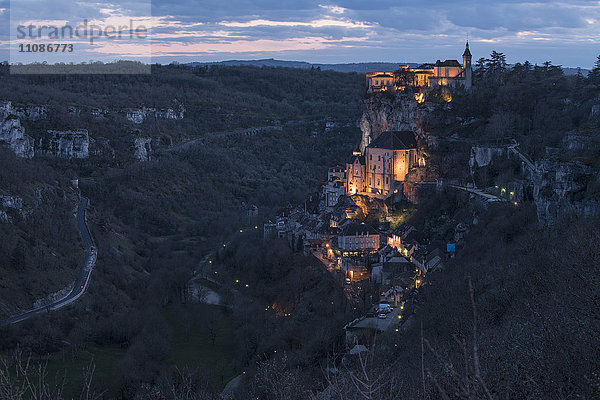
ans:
(467, 52)
(468, 73)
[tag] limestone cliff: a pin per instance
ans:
(391, 112)
(137, 116)
(561, 187)
(360, 207)
(10, 204)
(65, 144)
(13, 133)
(481, 156)
(29, 112)
(555, 186)
(142, 148)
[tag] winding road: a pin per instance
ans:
(84, 275)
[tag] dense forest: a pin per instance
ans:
(155, 220)
(514, 315)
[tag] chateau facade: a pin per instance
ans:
(442, 73)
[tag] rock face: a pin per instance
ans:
(386, 112)
(12, 133)
(556, 187)
(142, 148)
(561, 187)
(66, 144)
(574, 141)
(32, 113)
(360, 207)
(7, 203)
(137, 116)
(481, 156)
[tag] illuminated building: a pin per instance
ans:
(442, 73)
(386, 162)
(358, 238)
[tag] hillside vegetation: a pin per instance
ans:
(526, 295)
(154, 221)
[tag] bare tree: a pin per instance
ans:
(363, 377)
(20, 378)
(468, 383)
(87, 391)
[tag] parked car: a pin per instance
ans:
(385, 308)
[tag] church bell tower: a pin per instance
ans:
(467, 67)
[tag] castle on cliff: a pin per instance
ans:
(383, 164)
(442, 73)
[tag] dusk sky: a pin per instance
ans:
(566, 33)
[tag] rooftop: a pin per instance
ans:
(447, 63)
(357, 228)
(425, 66)
(467, 52)
(395, 140)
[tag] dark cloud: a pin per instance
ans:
(517, 17)
(386, 30)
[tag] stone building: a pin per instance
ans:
(385, 164)
(358, 237)
(442, 73)
(379, 81)
(335, 186)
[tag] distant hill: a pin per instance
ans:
(350, 67)
(573, 71)
(360, 68)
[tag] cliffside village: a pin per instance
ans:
(338, 228)
(334, 227)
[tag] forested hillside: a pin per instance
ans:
(154, 221)
(514, 315)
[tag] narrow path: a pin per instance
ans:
(235, 133)
(527, 162)
(488, 196)
(84, 276)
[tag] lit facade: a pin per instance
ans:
(358, 237)
(380, 81)
(335, 186)
(442, 73)
(386, 162)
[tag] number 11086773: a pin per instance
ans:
(46, 48)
